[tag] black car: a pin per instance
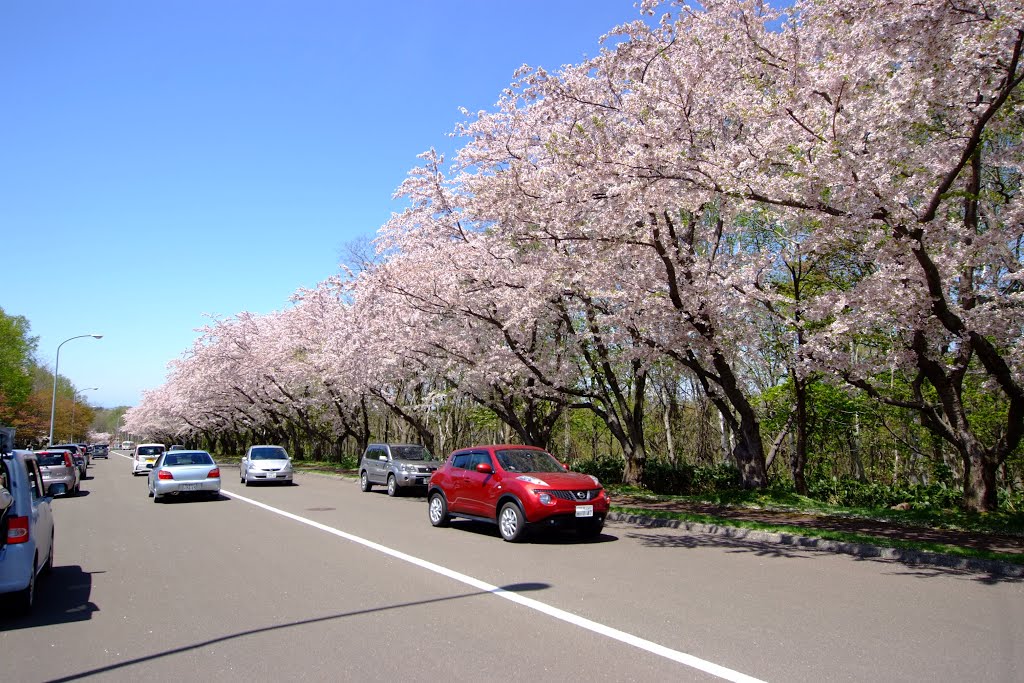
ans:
(100, 450)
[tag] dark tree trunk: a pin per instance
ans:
(798, 458)
(981, 470)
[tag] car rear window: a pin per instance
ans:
(179, 458)
(50, 460)
(150, 450)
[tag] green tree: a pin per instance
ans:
(17, 360)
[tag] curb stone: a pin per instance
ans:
(992, 567)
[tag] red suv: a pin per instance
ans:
(515, 486)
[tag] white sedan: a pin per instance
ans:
(184, 473)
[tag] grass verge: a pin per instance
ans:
(840, 536)
(1001, 522)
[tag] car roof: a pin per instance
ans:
(21, 455)
(497, 446)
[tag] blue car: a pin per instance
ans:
(26, 529)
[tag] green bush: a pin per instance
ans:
(844, 492)
(663, 477)
(608, 469)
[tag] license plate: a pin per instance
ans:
(190, 487)
(584, 510)
(271, 475)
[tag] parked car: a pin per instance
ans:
(395, 465)
(515, 487)
(145, 456)
(265, 463)
(177, 447)
(60, 474)
(78, 453)
(26, 529)
(184, 472)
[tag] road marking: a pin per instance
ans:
(568, 617)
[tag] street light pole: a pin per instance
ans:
(74, 398)
(56, 367)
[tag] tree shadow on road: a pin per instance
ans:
(512, 588)
(691, 540)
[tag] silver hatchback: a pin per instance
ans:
(60, 473)
(265, 464)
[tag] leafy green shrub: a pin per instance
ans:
(716, 478)
(845, 492)
(663, 477)
(608, 469)
(666, 478)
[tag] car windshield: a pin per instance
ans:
(527, 460)
(50, 460)
(268, 453)
(410, 453)
(186, 458)
(150, 450)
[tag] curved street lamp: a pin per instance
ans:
(74, 399)
(56, 367)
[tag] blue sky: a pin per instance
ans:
(167, 159)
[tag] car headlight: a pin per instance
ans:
(405, 467)
(545, 498)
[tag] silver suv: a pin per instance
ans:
(26, 529)
(396, 465)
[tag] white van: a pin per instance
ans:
(145, 455)
(127, 445)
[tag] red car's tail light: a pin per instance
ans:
(164, 474)
(17, 530)
(215, 473)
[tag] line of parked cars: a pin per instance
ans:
(64, 478)
(515, 487)
(28, 482)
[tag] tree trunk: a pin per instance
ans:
(749, 455)
(980, 472)
(798, 458)
(636, 464)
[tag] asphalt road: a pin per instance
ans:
(319, 581)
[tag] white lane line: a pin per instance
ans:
(569, 617)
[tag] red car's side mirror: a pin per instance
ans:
(484, 468)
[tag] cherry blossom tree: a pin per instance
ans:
(614, 217)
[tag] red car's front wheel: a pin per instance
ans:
(511, 522)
